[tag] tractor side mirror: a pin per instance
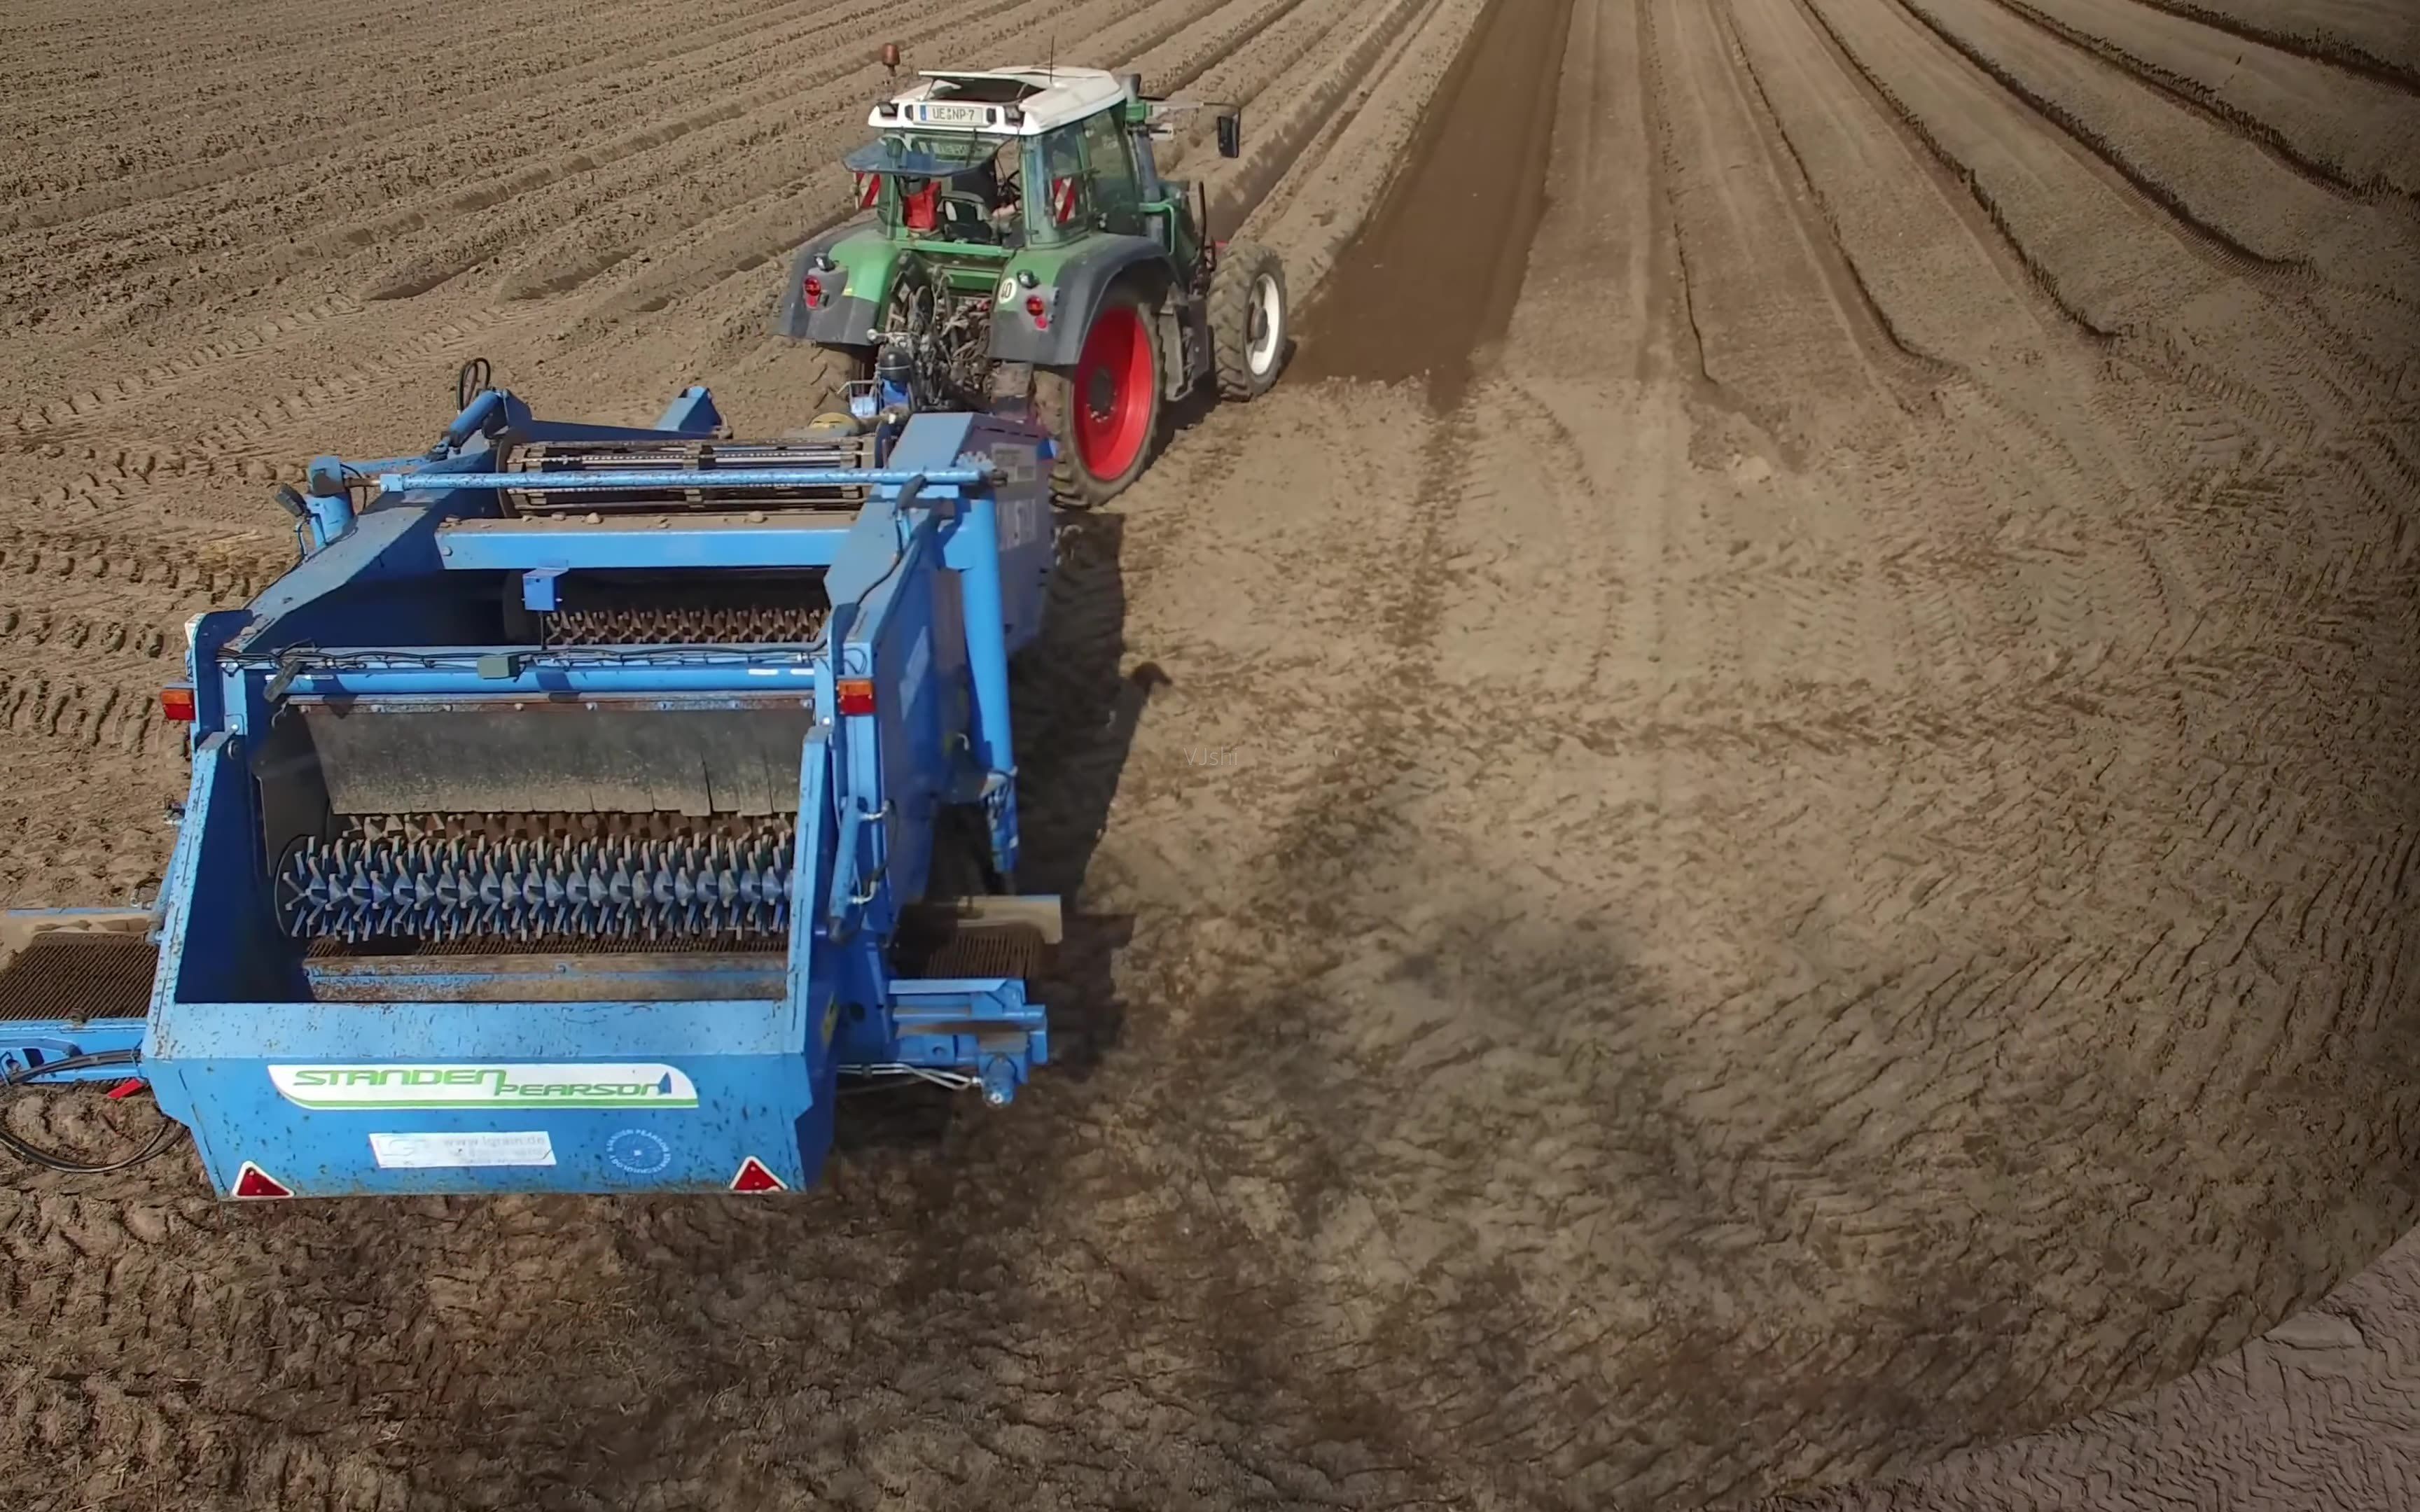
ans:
(1230, 133)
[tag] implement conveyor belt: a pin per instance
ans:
(608, 610)
(603, 458)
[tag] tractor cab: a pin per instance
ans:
(1039, 157)
(943, 188)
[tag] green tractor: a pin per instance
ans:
(1016, 251)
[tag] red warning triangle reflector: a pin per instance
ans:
(754, 1177)
(252, 1182)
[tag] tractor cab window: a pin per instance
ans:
(1117, 188)
(1088, 179)
(957, 188)
(1060, 203)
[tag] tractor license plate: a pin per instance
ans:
(956, 115)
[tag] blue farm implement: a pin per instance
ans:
(585, 804)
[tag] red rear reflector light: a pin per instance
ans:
(177, 703)
(814, 289)
(252, 1182)
(754, 1177)
(127, 1088)
(857, 695)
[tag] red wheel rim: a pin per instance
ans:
(1113, 392)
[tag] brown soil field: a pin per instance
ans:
(1756, 838)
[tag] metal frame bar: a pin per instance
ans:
(610, 482)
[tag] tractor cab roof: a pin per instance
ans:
(1002, 102)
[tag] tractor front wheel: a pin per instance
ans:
(1104, 411)
(1247, 318)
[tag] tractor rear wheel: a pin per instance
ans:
(1247, 318)
(1104, 411)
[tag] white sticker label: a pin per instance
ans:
(432, 1151)
(575, 1085)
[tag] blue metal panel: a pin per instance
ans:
(538, 589)
(813, 981)
(207, 634)
(216, 936)
(706, 541)
(933, 443)
(978, 538)
(692, 414)
(384, 545)
(681, 1094)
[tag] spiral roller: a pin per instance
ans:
(607, 877)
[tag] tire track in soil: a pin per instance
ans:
(1376, 320)
(298, 423)
(164, 378)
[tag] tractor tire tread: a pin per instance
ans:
(1055, 400)
(1054, 406)
(1241, 265)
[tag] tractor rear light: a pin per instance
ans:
(252, 1182)
(754, 1177)
(813, 290)
(856, 695)
(177, 703)
(1040, 311)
